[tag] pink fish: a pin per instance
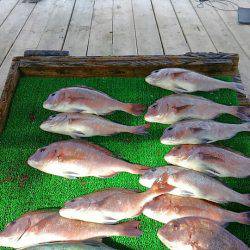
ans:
(78, 158)
(88, 100)
(40, 227)
(184, 81)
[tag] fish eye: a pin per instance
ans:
(52, 116)
(155, 71)
(153, 169)
(170, 128)
(12, 223)
(53, 94)
(42, 149)
(154, 105)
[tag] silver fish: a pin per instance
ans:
(166, 208)
(184, 81)
(88, 100)
(201, 186)
(79, 125)
(79, 158)
(177, 107)
(48, 226)
(201, 131)
(111, 205)
(210, 159)
(193, 233)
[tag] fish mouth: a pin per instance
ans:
(31, 162)
(149, 79)
(46, 105)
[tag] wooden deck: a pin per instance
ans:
(120, 27)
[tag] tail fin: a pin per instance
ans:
(243, 218)
(239, 88)
(244, 200)
(130, 228)
(138, 169)
(243, 112)
(140, 130)
(161, 185)
(135, 109)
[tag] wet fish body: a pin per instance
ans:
(211, 160)
(198, 233)
(79, 158)
(177, 107)
(201, 186)
(88, 245)
(186, 81)
(88, 100)
(200, 132)
(42, 227)
(166, 208)
(111, 205)
(79, 125)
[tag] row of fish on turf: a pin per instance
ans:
(189, 231)
(100, 205)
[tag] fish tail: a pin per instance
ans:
(243, 218)
(161, 185)
(242, 112)
(130, 228)
(245, 127)
(135, 109)
(138, 169)
(140, 130)
(244, 199)
(239, 87)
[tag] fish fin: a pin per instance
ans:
(129, 228)
(239, 87)
(209, 157)
(213, 172)
(243, 112)
(178, 74)
(135, 109)
(186, 193)
(110, 220)
(244, 200)
(77, 134)
(99, 148)
(70, 175)
(138, 169)
(108, 176)
(180, 90)
(183, 108)
(161, 185)
(243, 218)
(206, 140)
(140, 130)
(86, 87)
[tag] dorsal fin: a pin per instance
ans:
(99, 148)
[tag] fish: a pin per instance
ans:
(151, 175)
(46, 226)
(209, 159)
(177, 107)
(84, 245)
(166, 208)
(85, 99)
(79, 158)
(185, 81)
(198, 185)
(111, 205)
(79, 125)
(195, 233)
(201, 132)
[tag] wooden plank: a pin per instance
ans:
(79, 28)
(193, 29)
(147, 35)
(29, 37)
(12, 26)
(124, 40)
(55, 31)
(5, 9)
(170, 30)
(221, 35)
(125, 66)
(100, 41)
(240, 32)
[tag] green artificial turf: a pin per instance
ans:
(24, 188)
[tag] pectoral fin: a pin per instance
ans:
(77, 134)
(183, 108)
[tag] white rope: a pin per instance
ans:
(224, 5)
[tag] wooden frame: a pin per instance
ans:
(211, 64)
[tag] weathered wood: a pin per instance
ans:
(128, 66)
(7, 94)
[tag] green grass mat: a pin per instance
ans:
(24, 188)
